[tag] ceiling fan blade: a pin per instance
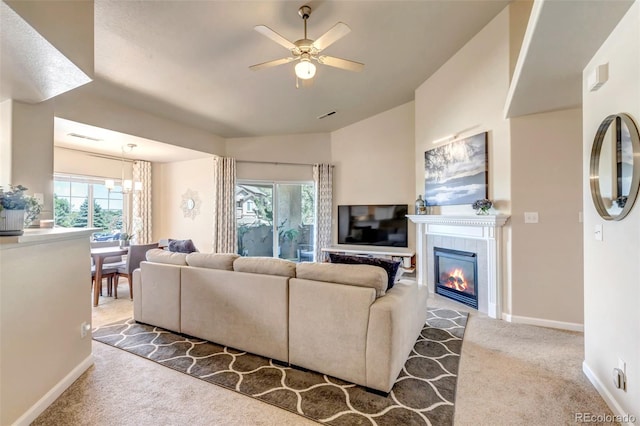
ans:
(336, 32)
(341, 63)
(268, 32)
(269, 64)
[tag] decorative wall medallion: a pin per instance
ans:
(190, 204)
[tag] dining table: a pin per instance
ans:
(99, 254)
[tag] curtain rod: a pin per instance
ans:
(276, 163)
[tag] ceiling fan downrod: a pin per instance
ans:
(305, 12)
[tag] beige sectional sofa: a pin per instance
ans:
(335, 319)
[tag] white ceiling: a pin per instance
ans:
(190, 59)
(31, 68)
(560, 40)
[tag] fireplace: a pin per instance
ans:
(456, 275)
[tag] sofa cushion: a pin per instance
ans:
(182, 246)
(265, 265)
(390, 266)
(163, 256)
(357, 275)
(212, 260)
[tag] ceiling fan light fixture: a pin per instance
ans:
(305, 69)
(305, 49)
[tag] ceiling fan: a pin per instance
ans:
(305, 51)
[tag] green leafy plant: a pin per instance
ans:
(13, 197)
(290, 234)
(33, 210)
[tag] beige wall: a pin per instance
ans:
(546, 174)
(6, 112)
(466, 96)
(170, 182)
(611, 267)
(28, 144)
(44, 298)
(468, 92)
(301, 148)
(373, 159)
(519, 13)
(82, 163)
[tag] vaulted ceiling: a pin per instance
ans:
(189, 60)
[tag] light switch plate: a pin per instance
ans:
(597, 232)
(530, 217)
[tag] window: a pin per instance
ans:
(285, 231)
(84, 201)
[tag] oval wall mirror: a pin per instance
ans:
(615, 166)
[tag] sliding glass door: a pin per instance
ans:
(275, 219)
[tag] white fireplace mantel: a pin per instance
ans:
(481, 227)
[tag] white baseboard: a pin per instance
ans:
(543, 322)
(606, 395)
(44, 402)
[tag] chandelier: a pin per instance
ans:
(128, 185)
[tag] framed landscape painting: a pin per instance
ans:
(457, 173)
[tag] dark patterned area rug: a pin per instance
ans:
(424, 393)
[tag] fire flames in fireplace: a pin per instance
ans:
(456, 275)
(454, 279)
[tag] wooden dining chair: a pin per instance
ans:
(137, 253)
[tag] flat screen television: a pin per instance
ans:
(373, 225)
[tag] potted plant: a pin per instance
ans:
(17, 209)
(126, 235)
(482, 206)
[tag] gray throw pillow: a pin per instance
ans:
(182, 246)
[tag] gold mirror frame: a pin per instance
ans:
(594, 169)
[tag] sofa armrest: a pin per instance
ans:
(395, 322)
(156, 297)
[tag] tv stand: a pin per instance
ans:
(405, 254)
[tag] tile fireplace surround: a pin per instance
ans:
(475, 233)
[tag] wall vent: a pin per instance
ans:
(91, 138)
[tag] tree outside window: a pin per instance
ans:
(84, 201)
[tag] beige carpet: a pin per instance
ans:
(509, 374)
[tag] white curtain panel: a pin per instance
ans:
(224, 209)
(141, 209)
(323, 177)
